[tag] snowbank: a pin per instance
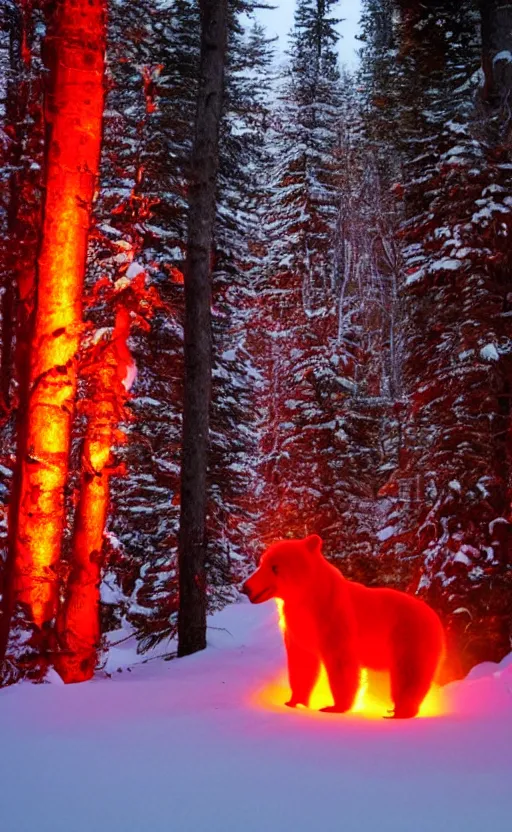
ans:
(188, 746)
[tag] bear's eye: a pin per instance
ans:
(274, 569)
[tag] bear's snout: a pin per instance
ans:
(256, 589)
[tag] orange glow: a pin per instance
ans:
(373, 699)
(78, 623)
(75, 46)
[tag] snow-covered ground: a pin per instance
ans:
(197, 745)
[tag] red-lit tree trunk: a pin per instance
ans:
(25, 117)
(74, 49)
(25, 130)
(198, 345)
(24, 126)
(13, 117)
(78, 623)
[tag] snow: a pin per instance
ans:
(496, 522)
(504, 55)
(456, 127)
(189, 746)
(134, 269)
(100, 333)
(149, 401)
(386, 533)
(447, 264)
(489, 353)
(131, 376)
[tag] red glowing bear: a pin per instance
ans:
(347, 626)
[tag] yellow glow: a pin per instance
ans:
(280, 613)
(362, 693)
(99, 454)
(373, 699)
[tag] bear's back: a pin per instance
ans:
(386, 618)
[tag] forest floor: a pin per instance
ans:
(204, 744)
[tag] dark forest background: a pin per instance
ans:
(362, 301)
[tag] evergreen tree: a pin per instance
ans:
(244, 153)
(451, 485)
(318, 444)
(148, 207)
(140, 231)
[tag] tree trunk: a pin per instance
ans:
(78, 623)
(13, 118)
(75, 47)
(24, 127)
(24, 113)
(198, 345)
(497, 51)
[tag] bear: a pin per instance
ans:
(346, 626)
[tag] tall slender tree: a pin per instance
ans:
(24, 145)
(198, 344)
(299, 355)
(74, 49)
(448, 516)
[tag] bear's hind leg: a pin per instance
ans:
(303, 670)
(343, 673)
(411, 678)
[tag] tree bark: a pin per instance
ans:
(13, 118)
(78, 621)
(24, 113)
(74, 47)
(24, 127)
(198, 343)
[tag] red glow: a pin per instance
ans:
(176, 275)
(150, 75)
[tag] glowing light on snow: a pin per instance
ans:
(373, 699)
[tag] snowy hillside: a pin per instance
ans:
(197, 745)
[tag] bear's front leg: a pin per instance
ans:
(343, 672)
(339, 653)
(303, 670)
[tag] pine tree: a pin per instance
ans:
(369, 317)
(308, 368)
(192, 541)
(451, 483)
(233, 476)
(141, 225)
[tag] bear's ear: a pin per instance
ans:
(313, 543)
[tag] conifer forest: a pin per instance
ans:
(245, 295)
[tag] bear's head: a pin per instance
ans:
(286, 570)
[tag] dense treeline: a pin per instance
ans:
(360, 278)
